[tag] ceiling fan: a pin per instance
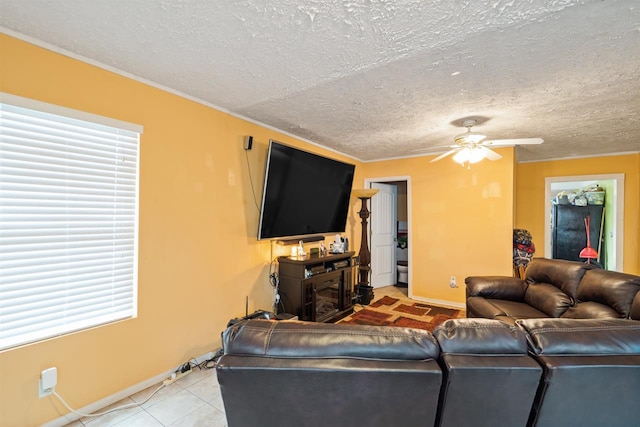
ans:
(471, 147)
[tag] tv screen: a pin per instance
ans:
(304, 194)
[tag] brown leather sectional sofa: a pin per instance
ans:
(469, 372)
(559, 348)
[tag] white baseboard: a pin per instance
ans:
(96, 406)
(450, 304)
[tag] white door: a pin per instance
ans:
(383, 235)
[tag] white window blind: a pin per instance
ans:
(68, 221)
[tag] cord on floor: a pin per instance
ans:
(207, 364)
(211, 363)
(97, 414)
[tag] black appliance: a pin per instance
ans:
(304, 194)
(569, 235)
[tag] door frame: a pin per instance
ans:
(618, 203)
(407, 179)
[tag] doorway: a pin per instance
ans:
(390, 232)
(613, 226)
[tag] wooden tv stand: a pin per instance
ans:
(318, 288)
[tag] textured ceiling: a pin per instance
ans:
(376, 79)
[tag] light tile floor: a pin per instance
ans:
(193, 400)
(392, 291)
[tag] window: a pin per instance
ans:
(68, 220)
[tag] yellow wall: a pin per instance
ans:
(530, 193)
(198, 254)
(461, 221)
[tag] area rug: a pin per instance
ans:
(404, 312)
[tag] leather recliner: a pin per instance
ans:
(591, 372)
(315, 374)
(489, 380)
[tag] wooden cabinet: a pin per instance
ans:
(317, 289)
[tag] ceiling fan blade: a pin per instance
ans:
(433, 150)
(442, 156)
(510, 142)
(490, 154)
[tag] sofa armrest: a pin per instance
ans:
(496, 287)
(635, 308)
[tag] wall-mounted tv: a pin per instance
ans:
(304, 194)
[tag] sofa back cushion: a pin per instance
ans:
(564, 275)
(479, 336)
(295, 339)
(582, 336)
(590, 310)
(547, 298)
(603, 293)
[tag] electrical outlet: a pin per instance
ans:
(47, 382)
(452, 282)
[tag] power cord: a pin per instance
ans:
(182, 369)
(211, 363)
(253, 191)
(277, 298)
(97, 414)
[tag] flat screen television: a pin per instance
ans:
(304, 194)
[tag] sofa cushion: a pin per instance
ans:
(547, 298)
(517, 310)
(479, 336)
(610, 288)
(582, 336)
(307, 339)
(591, 310)
(482, 307)
(564, 275)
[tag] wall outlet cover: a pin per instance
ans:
(48, 381)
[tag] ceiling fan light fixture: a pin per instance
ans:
(469, 155)
(472, 147)
(477, 155)
(469, 138)
(461, 156)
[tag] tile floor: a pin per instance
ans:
(193, 400)
(392, 291)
